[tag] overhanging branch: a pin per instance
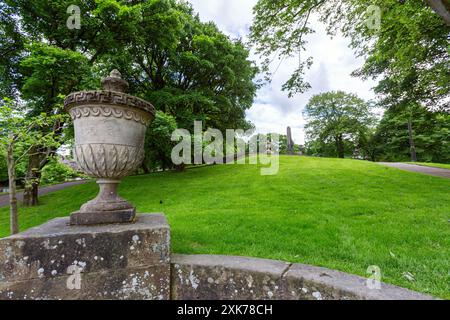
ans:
(442, 8)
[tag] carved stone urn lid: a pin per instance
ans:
(113, 93)
(115, 82)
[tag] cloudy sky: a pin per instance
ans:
(272, 110)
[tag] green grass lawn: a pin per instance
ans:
(340, 214)
(429, 164)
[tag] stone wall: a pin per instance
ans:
(55, 261)
(225, 277)
(132, 261)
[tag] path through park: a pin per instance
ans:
(4, 199)
(439, 172)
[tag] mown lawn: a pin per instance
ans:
(429, 164)
(341, 214)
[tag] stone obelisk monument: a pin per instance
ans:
(290, 142)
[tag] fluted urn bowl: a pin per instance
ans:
(110, 128)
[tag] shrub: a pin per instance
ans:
(56, 171)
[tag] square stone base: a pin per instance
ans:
(60, 261)
(102, 217)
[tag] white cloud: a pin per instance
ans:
(233, 17)
(272, 110)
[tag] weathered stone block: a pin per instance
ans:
(145, 283)
(204, 277)
(199, 277)
(303, 282)
(123, 261)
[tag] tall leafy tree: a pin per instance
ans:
(18, 136)
(158, 144)
(12, 48)
(337, 118)
(48, 73)
(52, 63)
(407, 50)
(429, 130)
(186, 68)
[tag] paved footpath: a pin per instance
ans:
(438, 172)
(4, 199)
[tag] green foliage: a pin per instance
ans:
(336, 121)
(430, 132)
(21, 133)
(55, 171)
(410, 55)
(100, 20)
(282, 148)
(279, 28)
(11, 52)
(282, 145)
(49, 73)
(3, 168)
(187, 69)
(21, 167)
(158, 144)
(409, 52)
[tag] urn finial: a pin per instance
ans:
(114, 82)
(115, 74)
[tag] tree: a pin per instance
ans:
(337, 117)
(407, 51)
(409, 73)
(282, 149)
(429, 130)
(368, 145)
(56, 172)
(186, 68)
(48, 73)
(158, 143)
(442, 8)
(18, 136)
(55, 60)
(11, 52)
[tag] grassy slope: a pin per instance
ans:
(340, 214)
(429, 164)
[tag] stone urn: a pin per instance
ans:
(110, 128)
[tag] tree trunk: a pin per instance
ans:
(31, 192)
(412, 146)
(38, 157)
(340, 147)
(145, 168)
(13, 214)
(36, 162)
(442, 8)
(32, 178)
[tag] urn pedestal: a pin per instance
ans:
(110, 128)
(57, 261)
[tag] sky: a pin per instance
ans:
(273, 110)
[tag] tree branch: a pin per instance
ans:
(442, 8)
